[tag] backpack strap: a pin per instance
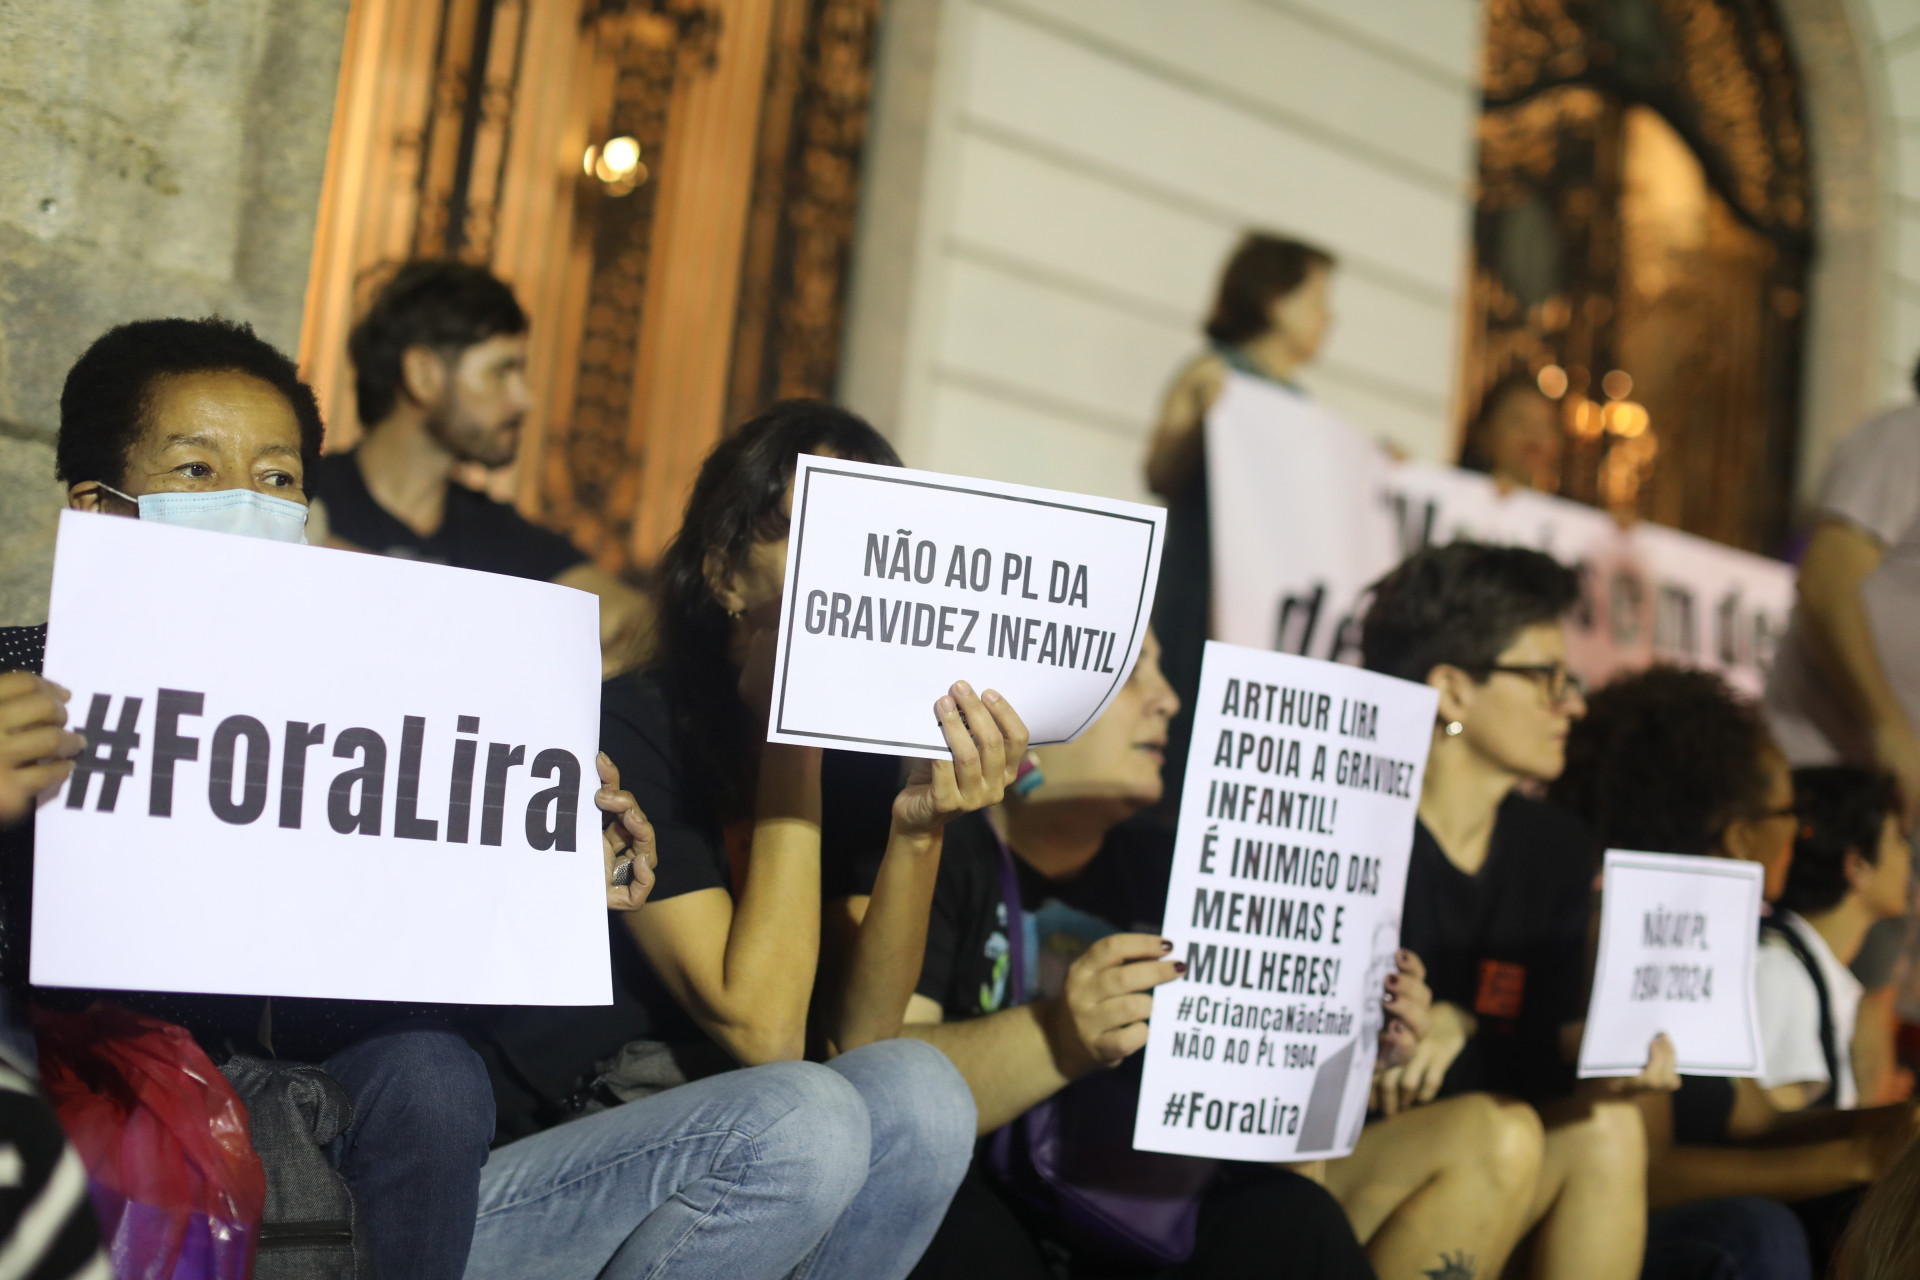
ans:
(1016, 922)
(1811, 964)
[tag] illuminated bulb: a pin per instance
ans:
(1553, 381)
(587, 160)
(1618, 384)
(621, 156)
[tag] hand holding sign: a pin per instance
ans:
(626, 844)
(1100, 1017)
(36, 748)
(987, 739)
(1409, 1006)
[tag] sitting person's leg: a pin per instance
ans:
(1446, 1181)
(922, 1121)
(422, 1119)
(1590, 1202)
(982, 1235)
(735, 1177)
(1760, 1239)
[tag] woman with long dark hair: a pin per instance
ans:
(719, 971)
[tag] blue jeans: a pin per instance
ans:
(422, 1120)
(1731, 1238)
(791, 1169)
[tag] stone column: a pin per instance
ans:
(159, 158)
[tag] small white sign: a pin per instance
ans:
(1289, 869)
(1677, 942)
(901, 582)
(319, 773)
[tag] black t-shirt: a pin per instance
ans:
(542, 1059)
(1508, 943)
(476, 532)
(966, 970)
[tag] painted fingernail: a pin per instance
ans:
(1165, 946)
(1180, 967)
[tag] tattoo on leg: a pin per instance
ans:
(1453, 1266)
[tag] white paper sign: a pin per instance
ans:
(319, 773)
(1290, 866)
(1307, 511)
(901, 582)
(1677, 940)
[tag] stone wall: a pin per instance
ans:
(159, 158)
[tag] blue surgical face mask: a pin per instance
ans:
(246, 512)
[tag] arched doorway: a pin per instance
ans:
(1641, 246)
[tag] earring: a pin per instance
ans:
(1455, 728)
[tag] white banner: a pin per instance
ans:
(319, 773)
(1290, 865)
(1307, 512)
(901, 582)
(1677, 943)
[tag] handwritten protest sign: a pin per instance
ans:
(1677, 940)
(1290, 865)
(901, 582)
(319, 773)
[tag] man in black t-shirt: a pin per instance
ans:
(440, 379)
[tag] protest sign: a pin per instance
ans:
(1677, 939)
(1290, 864)
(1307, 511)
(319, 773)
(901, 582)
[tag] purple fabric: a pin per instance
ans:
(1072, 1155)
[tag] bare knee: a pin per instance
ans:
(1509, 1138)
(1609, 1141)
(1519, 1144)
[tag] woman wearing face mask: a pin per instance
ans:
(1674, 761)
(720, 969)
(200, 423)
(1499, 888)
(1269, 318)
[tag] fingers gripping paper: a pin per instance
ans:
(318, 773)
(901, 582)
(1289, 869)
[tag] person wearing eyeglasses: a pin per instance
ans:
(1500, 889)
(1674, 761)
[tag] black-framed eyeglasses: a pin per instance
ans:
(1558, 681)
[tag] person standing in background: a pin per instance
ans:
(440, 379)
(1269, 318)
(1516, 438)
(1845, 684)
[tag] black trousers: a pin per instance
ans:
(1256, 1224)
